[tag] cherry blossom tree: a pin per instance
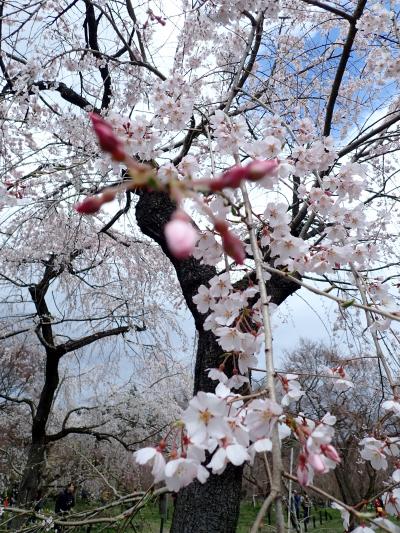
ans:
(349, 390)
(256, 143)
(62, 297)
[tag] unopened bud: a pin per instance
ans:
(330, 452)
(180, 235)
(259, 169)
(89, 205)
(232, 179)
(108, 196)
(233, 247)
(254, 171)
(108, 141)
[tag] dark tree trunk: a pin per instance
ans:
(212, 507)
(32, 474)
(34, 467)
(33, 471)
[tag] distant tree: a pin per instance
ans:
(63, 294)
(349, 388)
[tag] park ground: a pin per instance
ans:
(148, 520)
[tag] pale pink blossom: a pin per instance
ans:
(153, 457)
(203, 299)
(181, 472)
(373, 452)
(218, 375)
(230, 339)
(205, 417)
(391, 501)
(232, 452)
(181, 238)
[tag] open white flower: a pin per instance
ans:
(374, 454)
(205, 417)
(392, 502)
(181, 472)
(233, 452)
(203, 299)
(220, 286)
(236, 381)
(230, 339)
(153, 457)
(261, 417)
(293, 392)
(217, 375)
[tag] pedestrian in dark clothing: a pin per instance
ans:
(297, 502)
(38, 505)
(39, 501)
(307, 510)
(64, 502)
(66, 499)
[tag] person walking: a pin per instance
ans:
(307, 510)
(64, 503)
(297, 503)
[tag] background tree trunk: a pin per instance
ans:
(33, 471)
(32, 474)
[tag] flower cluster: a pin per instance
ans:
(318, 456)
(221, 428)
(173, 103)
(237, 325)
(377, 451)
(342, 381)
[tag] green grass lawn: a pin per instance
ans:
(148, 520)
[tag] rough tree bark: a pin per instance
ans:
(214, 506)
(34, 467)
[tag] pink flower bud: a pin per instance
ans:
(330, 452)
(315, 460)
(262, 169)
(232, 178)
(254, 171)
(92, 204)
(302, 471)
(89, 205)
(108, 141)
(231, 243)
(108, 196)
(180, 235)
(233, 246)
(221, 226)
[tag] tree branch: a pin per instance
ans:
(72, 345)
(347, 48)
(27, 401)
